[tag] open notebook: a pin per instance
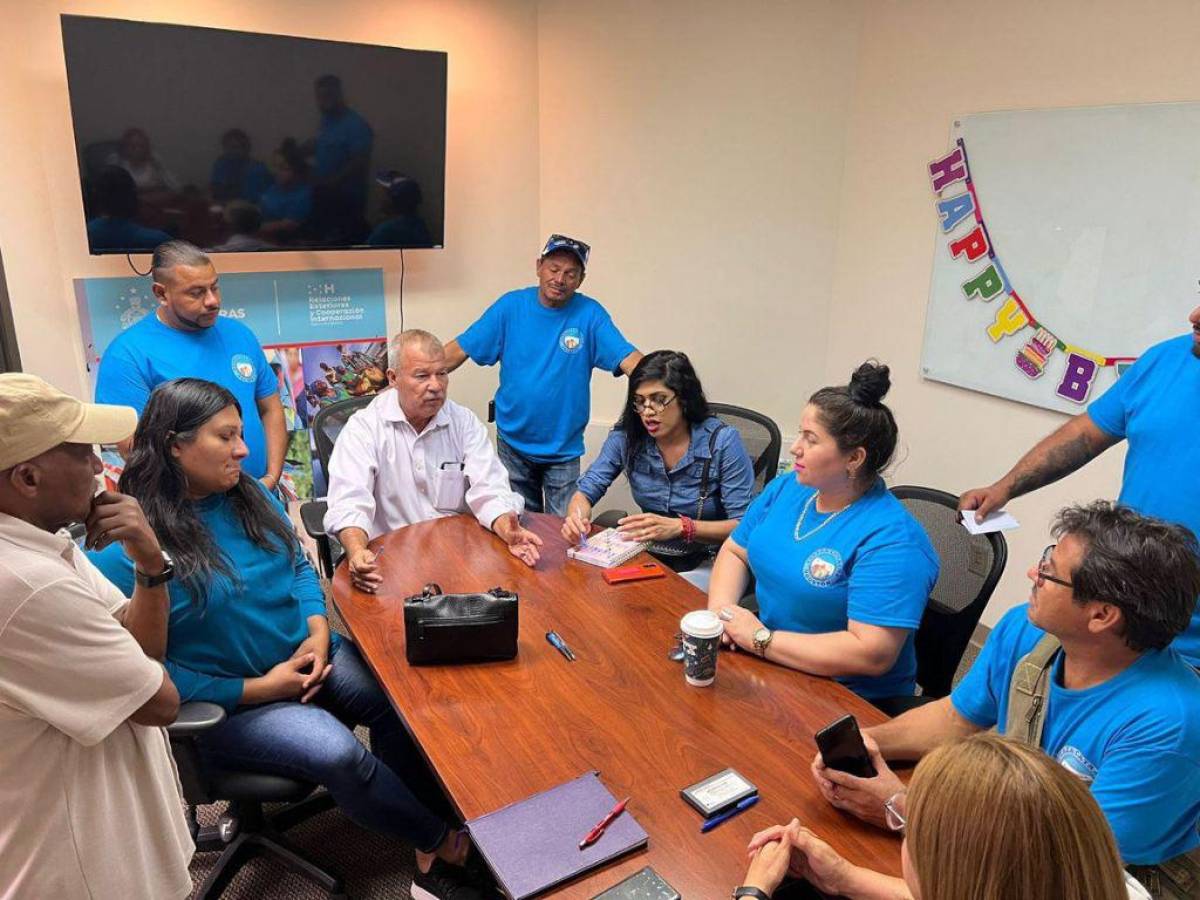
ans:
(606, 548)
(533, 844)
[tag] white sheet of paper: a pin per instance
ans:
(996, 520)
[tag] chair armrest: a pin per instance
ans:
(312, 514)
(196, 717)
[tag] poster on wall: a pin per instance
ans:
(1057, 261)
(323, 333)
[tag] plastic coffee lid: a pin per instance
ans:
(702, 623)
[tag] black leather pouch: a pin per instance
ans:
(450, 628)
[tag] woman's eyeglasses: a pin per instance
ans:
(655, 404)
(1043, 575)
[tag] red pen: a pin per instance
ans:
(595, 833)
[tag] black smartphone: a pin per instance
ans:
(842, 748)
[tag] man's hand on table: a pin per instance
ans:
(364, 571)
(522, 543)
(862, 797)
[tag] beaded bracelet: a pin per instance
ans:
(689, 528)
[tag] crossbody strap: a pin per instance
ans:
(1029, 690)
(712, 449)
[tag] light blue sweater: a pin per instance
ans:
(245, 627)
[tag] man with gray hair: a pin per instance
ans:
(412, 455)
(187, 337)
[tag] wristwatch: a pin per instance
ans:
(162, 577)
(747, 891)
(762, 640)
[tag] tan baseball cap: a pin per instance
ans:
(35, 417)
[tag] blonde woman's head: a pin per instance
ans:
(993, 819)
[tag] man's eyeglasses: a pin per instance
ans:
(655, 404)
(895, 811)
(1043, 574)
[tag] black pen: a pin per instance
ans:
(560, 645)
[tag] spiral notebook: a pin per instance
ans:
(606, 548)
(533, 845)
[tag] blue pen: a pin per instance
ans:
(560, 645)
(712, 823)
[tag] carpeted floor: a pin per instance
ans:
(372, 866)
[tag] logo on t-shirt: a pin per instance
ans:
(1077, 764)
(822, 567)
(571, 340)
(243, 367)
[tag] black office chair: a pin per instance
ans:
(760, 436)
(971, 566)
(245, 830)
(327, 425)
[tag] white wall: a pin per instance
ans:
(698, 147)
(492, 170)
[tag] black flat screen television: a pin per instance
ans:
(251, 142)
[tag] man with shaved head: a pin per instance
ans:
(188, 337)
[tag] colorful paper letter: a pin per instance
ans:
(1077, 381)
(974, 244)
(987, 284)
(1010, 319)
(947, 170)
(954, 209)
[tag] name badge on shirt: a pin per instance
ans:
(451, 487)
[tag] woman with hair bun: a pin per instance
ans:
(843, 570)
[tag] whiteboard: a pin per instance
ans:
(1091, 218)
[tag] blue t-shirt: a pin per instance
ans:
(677, 492)
(107, 233)
(1156, 407)
(149, 353)
(243, 628)
(872, 563)
(236, 178)
(293, 202)
(340, 138)
(401, 231)
(546, 359)
(1135, 739)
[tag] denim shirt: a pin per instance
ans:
(677, 492)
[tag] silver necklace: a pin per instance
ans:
(804, 513)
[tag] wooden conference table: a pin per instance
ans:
(496, 733)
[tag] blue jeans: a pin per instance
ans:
(314, 742)
(532, 479)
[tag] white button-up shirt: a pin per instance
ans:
(384, 475)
